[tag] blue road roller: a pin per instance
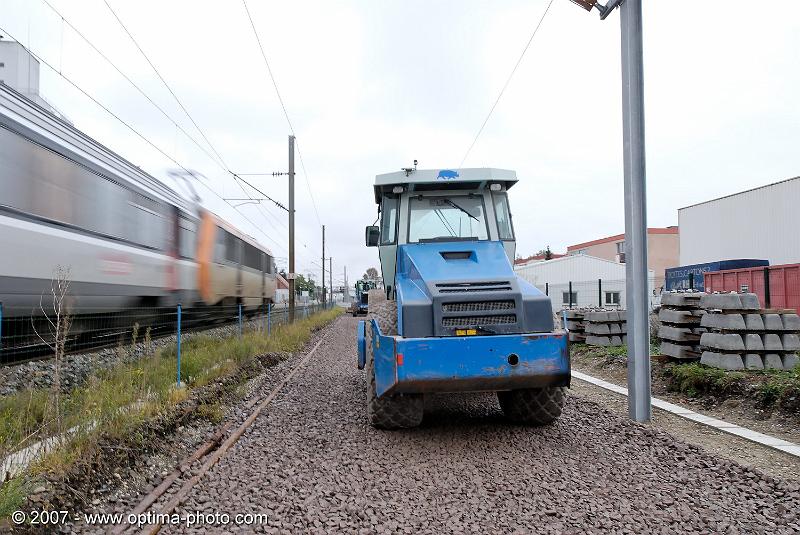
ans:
(452, 315)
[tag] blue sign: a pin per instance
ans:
(691, 277)
(447, 174)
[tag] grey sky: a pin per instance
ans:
(370, 86)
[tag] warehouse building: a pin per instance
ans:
(662, 250)
(593, 281)
(758, 223)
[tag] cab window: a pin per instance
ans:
(389, 220)
(505, 229)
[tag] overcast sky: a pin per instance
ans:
(370, 86)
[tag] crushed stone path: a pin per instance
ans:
(312, 464)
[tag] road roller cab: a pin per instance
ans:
(452, 315)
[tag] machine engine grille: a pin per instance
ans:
(478, 306)
(479, 321)
(459, 287)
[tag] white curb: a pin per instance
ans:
(754, 436)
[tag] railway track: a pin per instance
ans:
(30, 338)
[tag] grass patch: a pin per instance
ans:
(695, 380)
(781, 389)
(772, 389)
(115, 402)
(12, 495)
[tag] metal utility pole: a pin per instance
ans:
(330, 277)
(323, 267)
(291, 229)
(346, 293)
(637, 296)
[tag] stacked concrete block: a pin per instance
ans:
(606, 327)
(680, 330)
(575, 324)
(743, 336)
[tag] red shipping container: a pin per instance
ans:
(784, 284)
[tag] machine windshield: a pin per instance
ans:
(446, 219)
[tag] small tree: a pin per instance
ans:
(59, 323)
(546, 253)
(371, 274)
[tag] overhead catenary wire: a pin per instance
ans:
(136, 132)
(221, 161)
(505, 85)
(163, 81)
(126, 124)
(283, 106)
(64, 20)
(182, 106)
(236, 176)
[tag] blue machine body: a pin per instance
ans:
(523, 352)
(465, 363)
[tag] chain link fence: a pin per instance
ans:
(29, 334)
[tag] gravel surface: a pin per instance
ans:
(312, 464)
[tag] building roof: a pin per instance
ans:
(618, 237)
(741, 192)
(576, 268)
(537, 258)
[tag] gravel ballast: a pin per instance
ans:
(311, 463)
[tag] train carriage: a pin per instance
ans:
(127, 239)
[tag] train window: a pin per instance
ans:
(231, 248)
(219, 246)
(45, 184)
(252, 257)
(187, 243)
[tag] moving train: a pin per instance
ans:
(124, 238)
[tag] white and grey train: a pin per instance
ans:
(126, 239)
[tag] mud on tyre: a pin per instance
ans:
(388, 412)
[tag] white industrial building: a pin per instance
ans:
(758, 223)
(595, 281)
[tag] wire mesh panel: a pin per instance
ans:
(37, 333)
(601, 293)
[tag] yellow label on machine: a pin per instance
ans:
(466, 332)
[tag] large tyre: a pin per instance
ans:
(536, 406)
(388, 412)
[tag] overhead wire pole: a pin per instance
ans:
(330, 277)
(291, 229)
(323, 266)
(346, 293)
(637, 295)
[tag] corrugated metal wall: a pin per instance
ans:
(761, 223)
(784, 284)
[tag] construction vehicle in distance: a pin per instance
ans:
(453, 316)
(360, 306)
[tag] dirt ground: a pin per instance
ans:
(739, 410)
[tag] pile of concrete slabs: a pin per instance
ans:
(605, 327)
(740, 335)
(575, 323)
(680, 330)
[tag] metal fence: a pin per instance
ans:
(603, 293)
(28, 334)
